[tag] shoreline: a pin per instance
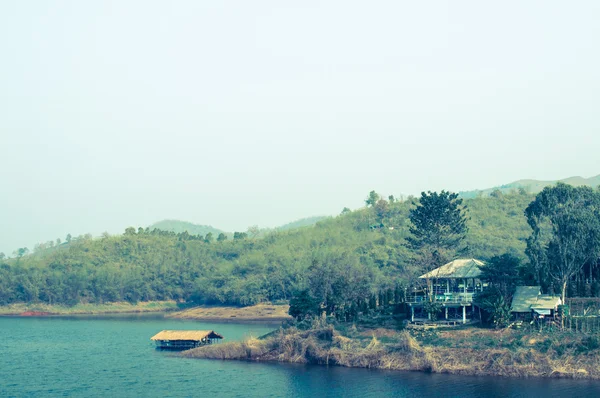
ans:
(493, 353)
(227, 314)
(46, 310)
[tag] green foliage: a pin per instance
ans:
(439, 227)
(303, 305)
(343, 263)
(432, 308)
(495, 306)
(502, 272)
(565, 223)
(372, 199)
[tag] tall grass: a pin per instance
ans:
(516, 355)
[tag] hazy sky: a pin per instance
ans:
(234, 113)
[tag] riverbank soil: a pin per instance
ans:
(260, 312)
(92, 309)
(466, 351)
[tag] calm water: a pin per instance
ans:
(114, 357)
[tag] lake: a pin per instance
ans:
(113, 356)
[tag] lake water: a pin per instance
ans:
(113, 356)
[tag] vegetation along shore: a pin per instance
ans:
(465, 351)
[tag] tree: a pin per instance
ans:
(346, 210)
(2, 256)
(381, 209)
(439, 227)
(222, 237)
(22, 251)
(253, 231)
(303, 304)
(503, 273)
(239, 235)
(208, 238)
(372, 198)
(68, 238)
(565, 223)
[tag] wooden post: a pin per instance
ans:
(464, 314)
(412, 313)
(446, 313)
(447, 285)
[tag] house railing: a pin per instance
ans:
(449, 298)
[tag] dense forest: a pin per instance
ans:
(360, 253)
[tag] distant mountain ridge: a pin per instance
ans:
(303, 222)
(178, 226)
(532, 186)
(182, 226)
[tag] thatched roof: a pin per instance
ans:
(465, 268)
(195, 335)
(527, 298)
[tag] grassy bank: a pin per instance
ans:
(464, 351)
(260, 312)
(108, 308)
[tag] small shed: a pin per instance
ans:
(528, 301)
(184, 339)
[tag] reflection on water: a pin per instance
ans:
(113, 356)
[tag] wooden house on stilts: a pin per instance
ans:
(184, 339)
(453, 286)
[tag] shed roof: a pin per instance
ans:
(545, 301)
(524, 297)
(195, 335)
(527, 298)
(457, 269)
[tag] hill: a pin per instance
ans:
(343, 251)
(531, 186)
(183, 226)
(303, 222)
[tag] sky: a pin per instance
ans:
(239, 113)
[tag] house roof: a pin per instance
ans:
(524, 298)
(527, 298)
(195, 335)
(457, 269)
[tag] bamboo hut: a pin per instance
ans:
(184, 339)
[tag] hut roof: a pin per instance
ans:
(195, 335)
(457, 269)
(527, 298)
(524, 298)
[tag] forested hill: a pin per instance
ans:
(182, 226)
(364, 250)
(531, 186)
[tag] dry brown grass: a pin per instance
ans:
(260, 312)
(324, 345)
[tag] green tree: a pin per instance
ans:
(565, 223)
(208, 238)
(372, 198)
(303, 305)
(239, 235)
(438, 228)
(503, 273)
(68, 238)
(222, 237)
